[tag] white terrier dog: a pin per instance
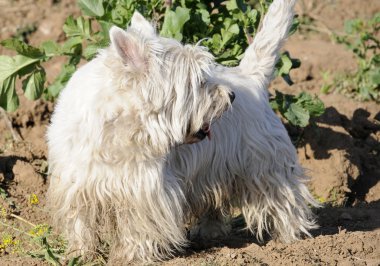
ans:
(127, 161)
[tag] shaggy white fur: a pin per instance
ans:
(129, 166)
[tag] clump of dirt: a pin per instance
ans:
(341, 152)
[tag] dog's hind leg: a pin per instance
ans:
(277, 202)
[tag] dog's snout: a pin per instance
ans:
(232, 96)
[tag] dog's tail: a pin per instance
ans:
(262, 55)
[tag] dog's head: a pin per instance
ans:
(177, 100)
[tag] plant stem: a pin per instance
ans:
(15, 135)
(22, 219)
(16, 229)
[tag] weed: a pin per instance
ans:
(23, 237)
(33, 199)
(38, 241)
(3, 193)
(361, 38)
(297, 109)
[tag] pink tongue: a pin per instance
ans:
(207, 130)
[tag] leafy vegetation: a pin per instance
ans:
(362, 38)
(225, 28)
(37, 241)
(297, 109)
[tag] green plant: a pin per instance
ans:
(361, 37)
(297, 109)
(225, 28)
(24, 237)
(20, 236)
(3, 193)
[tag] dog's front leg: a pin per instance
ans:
(212, 225)
(82, 240)
(148, 216)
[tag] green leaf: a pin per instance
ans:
(325, 88)
(313, 105)
(50, 256)
(297, 115)
(231, 57)
(231, 5)
(51, 48)
(174, 22)
(74, 261)
(374, 75)
(91, 51)
(106, 26)
(7, 67)
(236, 4)
(79, 27)
(10, 67)
(3, 193)
(353, 26)
(33, 85)
(205, 16)
(229, 31)
(92, 8)
(294, 27)
(216, 42)
(286, 64)
(274, 105)
(252, 16)
(8, 97)
(71, 44)
(22, 48)
(70, 27)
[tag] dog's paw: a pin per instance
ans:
(210, 229)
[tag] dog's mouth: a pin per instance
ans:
(201, 134)
(204, 132)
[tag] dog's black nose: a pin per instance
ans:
(232, 96)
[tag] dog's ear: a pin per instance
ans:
(139, 23)
(129, 48)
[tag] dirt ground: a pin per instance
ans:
(342, 154)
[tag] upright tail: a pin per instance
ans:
(261, 56)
